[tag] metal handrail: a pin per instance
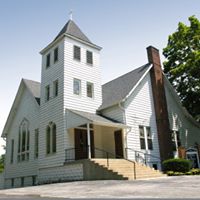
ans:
(138, 154)
(70, 156)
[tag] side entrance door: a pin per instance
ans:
(118, 144)
(81, 144)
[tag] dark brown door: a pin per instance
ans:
(118, 144)
(81, 144)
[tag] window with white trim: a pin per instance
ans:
(47, 93)
(145, 135)
(142, 137)
(90, 90)
(89, 56)
(23, 141)
(51, 139)
(77, 86)
(55, 88)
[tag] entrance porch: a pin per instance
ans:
(93, 136)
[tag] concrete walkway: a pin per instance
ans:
(167, 187)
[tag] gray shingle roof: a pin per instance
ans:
(72, 29)
(117, 89)
(98, 119)
(34, 88)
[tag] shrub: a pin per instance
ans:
(195, 171)
(176, 165)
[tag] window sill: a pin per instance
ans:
(77, 60)
(50, 154)
(77, 96)
(90, 98)
(55, 62)
(89, 64)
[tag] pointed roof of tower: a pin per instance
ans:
(72, 29)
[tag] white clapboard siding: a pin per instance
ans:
(86, 73)
(29, 109)
(114, 112)
(52, 111)
(179, 121)
(140, 111)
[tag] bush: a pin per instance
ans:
(176, 165)
(195, 171)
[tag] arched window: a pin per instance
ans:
(51, 138)
(23, 141)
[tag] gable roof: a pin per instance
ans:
(34, 89)
(118, 89)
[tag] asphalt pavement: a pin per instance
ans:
(181, 187)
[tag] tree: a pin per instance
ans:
(2, 159)
(182, 66)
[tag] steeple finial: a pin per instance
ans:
(70, 14)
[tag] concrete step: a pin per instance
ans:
(125, 168)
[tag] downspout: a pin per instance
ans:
(127, 130)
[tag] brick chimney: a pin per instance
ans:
(160, 104)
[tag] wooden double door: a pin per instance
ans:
(81, 144)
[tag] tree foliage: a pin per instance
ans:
(2, 159)
(182, 66)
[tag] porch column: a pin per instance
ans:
(88, 139)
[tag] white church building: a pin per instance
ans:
(71, 127)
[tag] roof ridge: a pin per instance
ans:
(147, 64)
(24, 79)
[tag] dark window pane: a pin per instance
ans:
(23, 138)
(142, 143)
(47, 93)
(48, 60)
(90, 90)
(36, 142)
(19, 142)
(89, 57)
(28, 141)
(55, 88)
(150, 144)
(77, 53)
(48, 132)
(55, 54)
(54, 138)
(12, 151)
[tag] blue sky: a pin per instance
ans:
(124, 28)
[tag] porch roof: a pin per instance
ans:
(76, 118)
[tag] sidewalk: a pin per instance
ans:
(167, 187)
